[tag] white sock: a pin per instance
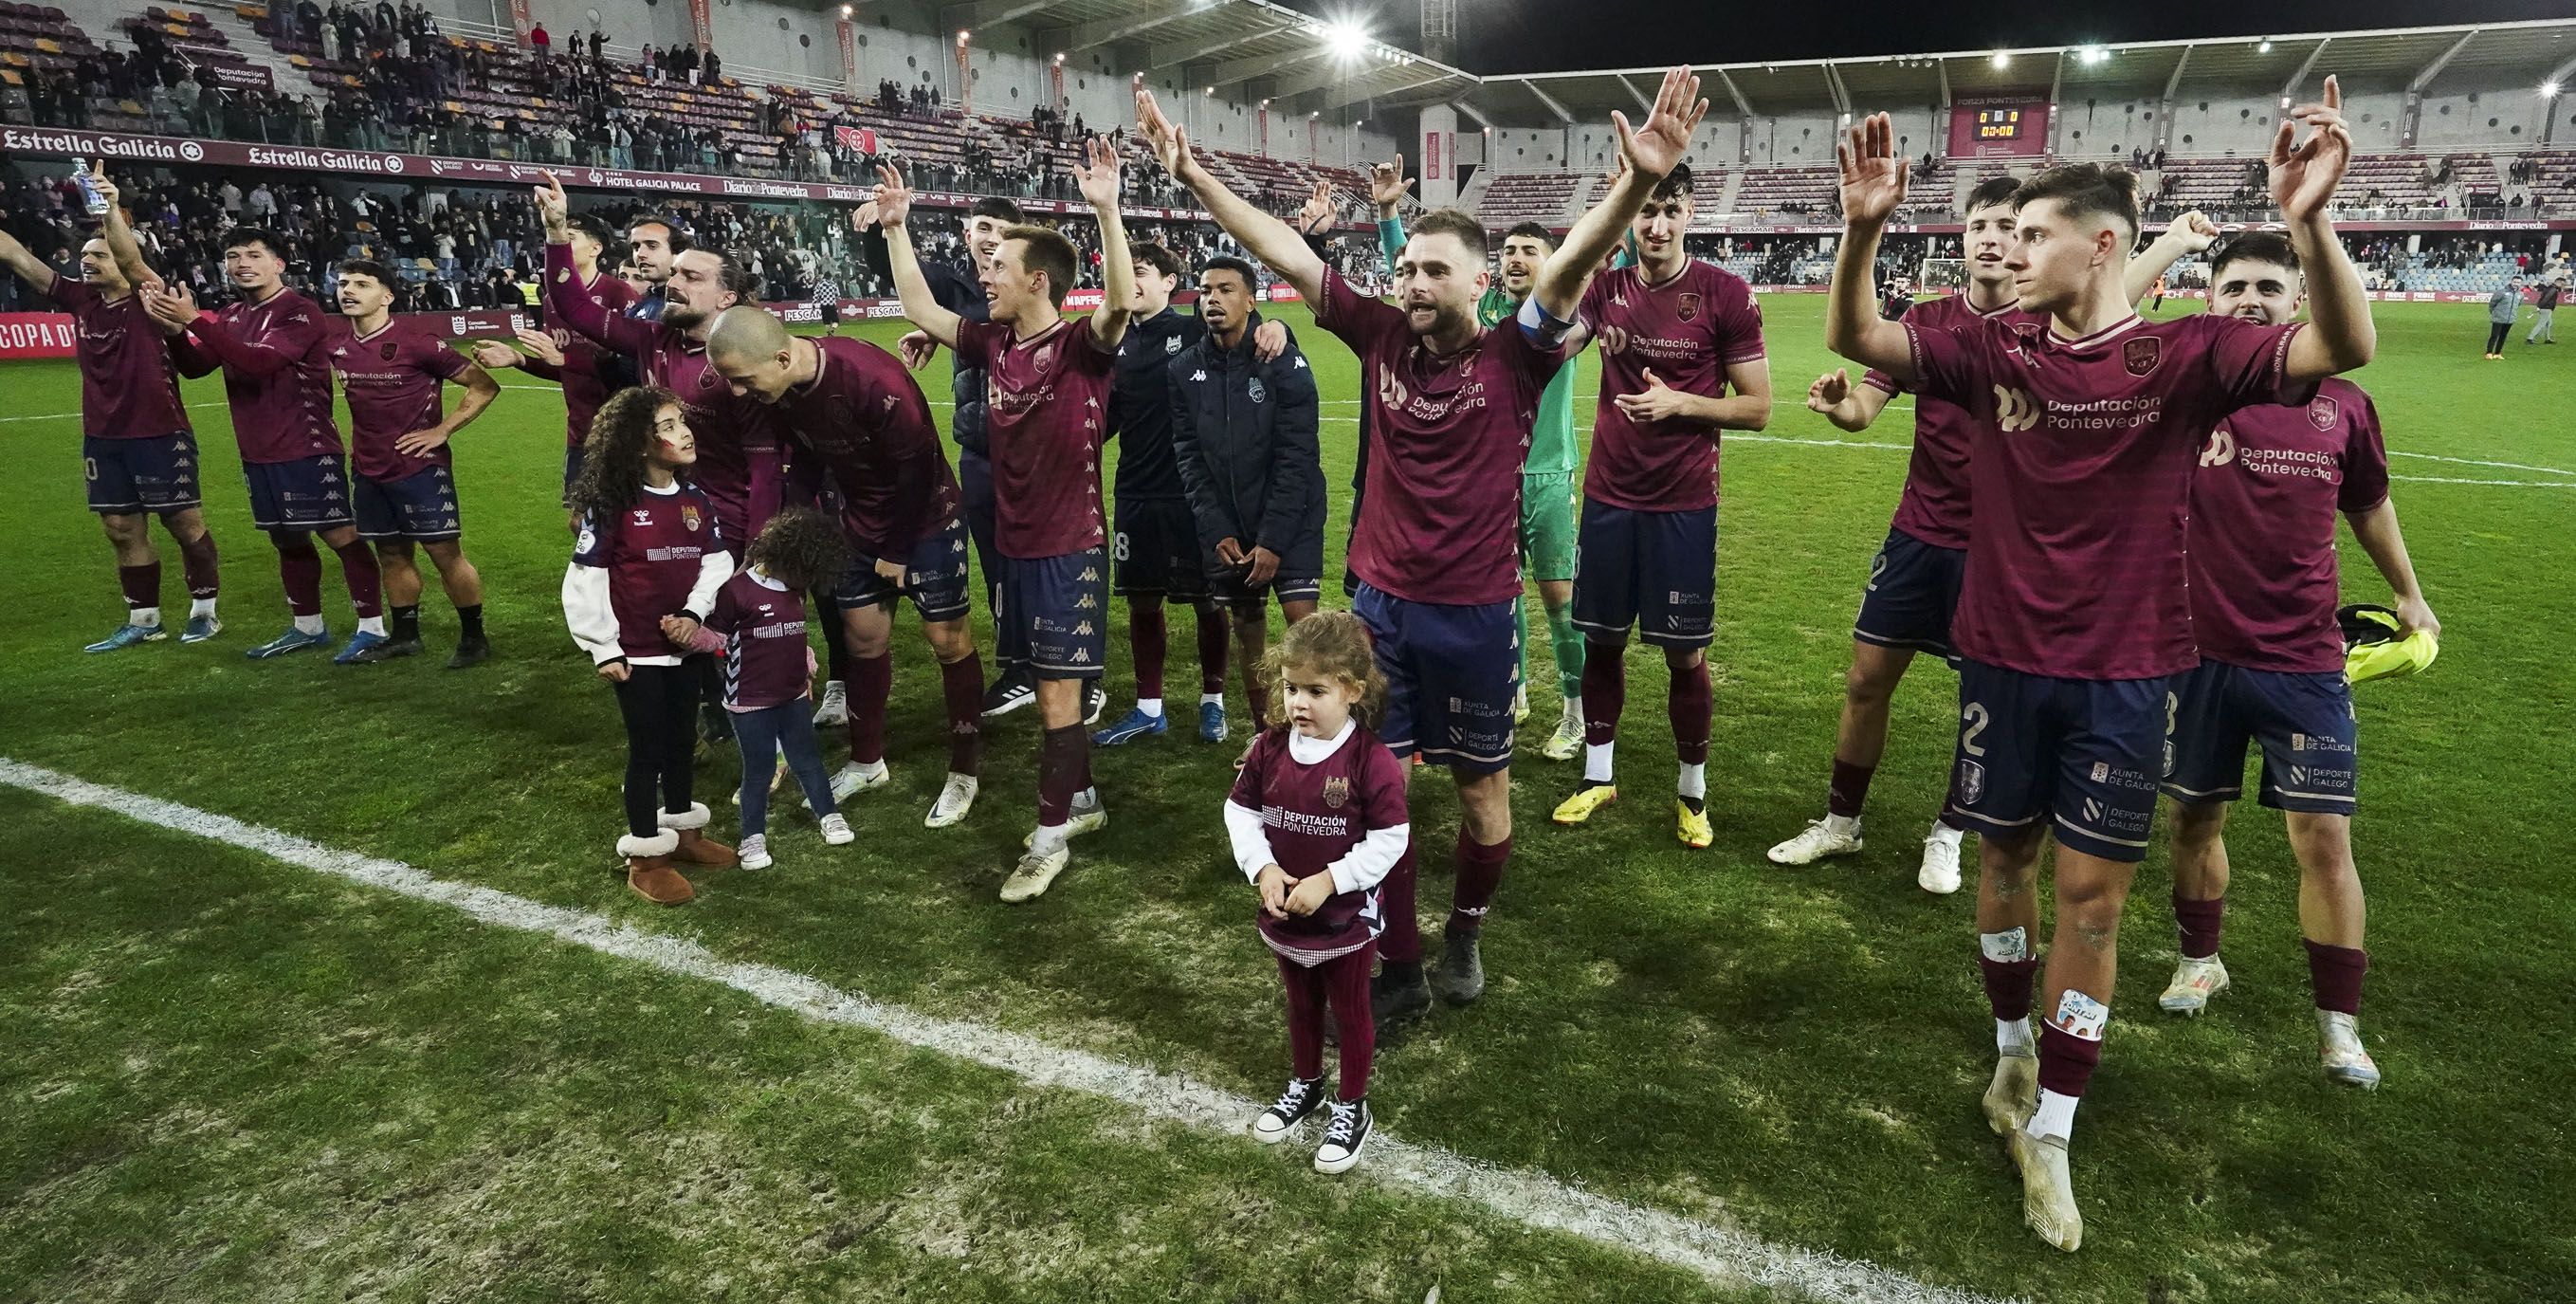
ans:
(308, 625)
(1596, 761)
(1574, 708)
(2055, 1116)
(1211, 699)
(200, 607)
(1694, 780)
(868, 771)
(1944, 833)
(1051, 839)
(371, 625)
(1151, 706)
(2012, 1036)
(1087, 799)
(831, 686)
(143, 617)
(1841, 823)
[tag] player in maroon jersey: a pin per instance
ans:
(2263, 590)
(1914, 580)
(1438, 550)
(858, 413)
(587, 375)
(271, 345)
(1049, 396)
(2074, 618)
(1317, 819)
(649, 548)
(137, 448)
(394, 378)
(1682, 359)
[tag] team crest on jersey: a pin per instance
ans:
(1171, 345)
(1337, 792)
(689, 516)
(1255, 392)
(2141, 355)
(387, 352)
(2322, 412)
(1687, 307)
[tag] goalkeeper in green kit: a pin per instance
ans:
(1547, 474)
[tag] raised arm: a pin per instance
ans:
(1873, 185)
(2340, 336)
(2190, 233)
(1387, 184)
(894, 204)
(121, 244)
(1100, 186)
(2376, 531)
(1650, 152)
(588, 316)
(1267, 238)
(29, 268)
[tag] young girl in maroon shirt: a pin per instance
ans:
(1317, 818)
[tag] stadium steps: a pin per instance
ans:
(1734, 187)
(1473, 197)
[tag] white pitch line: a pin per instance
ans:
(2471, 461)
(1526, 1196)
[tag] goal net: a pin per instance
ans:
(1945, 273)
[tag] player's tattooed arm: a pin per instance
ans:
(2340, 336)
(1873, 185)
(1650, 151)
(2190, 233)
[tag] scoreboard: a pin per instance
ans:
(1998, 125)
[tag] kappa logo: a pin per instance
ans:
(1255, 392)
(1081, 655)
(1337, 792)
(1085, 603)
(1089, 575)
(1688, 307)
(1200, 374)
(2221, 448)
(1082, 629)
(2323, 412)
(1301, 364)
(2141, 355)
(2014, 409)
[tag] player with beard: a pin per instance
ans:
(2263, 589)
(1914, 580)
(394, 378)
(2074, 624)
(1437, 552)
(1050, 387)
(853, 407)
(272, 345)
(136, 443)
(1647, 551)
(588, 376)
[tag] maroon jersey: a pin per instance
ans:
(763, 627)
(129, 390)
(1935, 504)
(1449, 436)
(585, 386)
(871, 437)
(1045, 426)
(739, 465)
(394, 381)
(2081, 472)
(277, 375)
(2263, 505)
(1313, 815)
(651, 552)
(1688, 331)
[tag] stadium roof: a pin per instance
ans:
(1313, 65)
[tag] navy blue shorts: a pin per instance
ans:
(572, 471)
(131, 476)
(1451, 672)
(1234, 594)
(1913, 589)
(2303, 722)
(1056, 603)
(2079, 757)
(1654, 570)
(934, 577)
(420, 507)
(1157, 543)
(309, 493)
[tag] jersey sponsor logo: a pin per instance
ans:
(2221, 448)
(2141, 355)
(1687, 307)
(2323, 412)
(2014, 409)
(1337, 792)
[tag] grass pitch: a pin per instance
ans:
(234, 1080)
